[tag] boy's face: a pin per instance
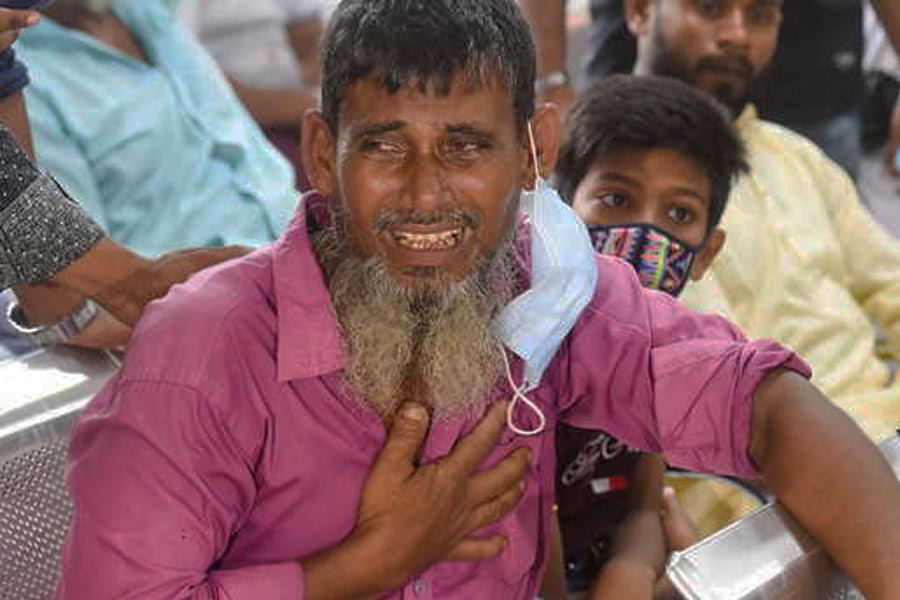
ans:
(659, 187)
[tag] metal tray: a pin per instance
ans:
(765, 555)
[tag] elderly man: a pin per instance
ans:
(805, 263)
(242, 451)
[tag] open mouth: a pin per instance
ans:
(431, 242)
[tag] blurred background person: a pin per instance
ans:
(878, 182)
(269, 50)
(814, 84)
(58, 260)
(805, 263)
(136, 121)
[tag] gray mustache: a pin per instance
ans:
(458, 216)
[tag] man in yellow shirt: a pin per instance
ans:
(804, 262)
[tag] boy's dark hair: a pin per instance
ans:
(631, 112)
(428, 42)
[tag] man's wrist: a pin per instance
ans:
(100, 273)
(353, 570)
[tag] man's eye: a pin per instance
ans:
(612, 200)
(681, 215)
(382, 147)
(463, 148)
(711, 9)
(763, 15)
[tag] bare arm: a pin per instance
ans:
(306, 38)
(640, 546)
(285, 107)
(124, 282)
(275, 107)
(548, 24)
(831, 478)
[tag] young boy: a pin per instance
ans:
(648, 164)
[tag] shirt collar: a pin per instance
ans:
(309, 339)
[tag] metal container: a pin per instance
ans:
(41, 395)
(765, 555)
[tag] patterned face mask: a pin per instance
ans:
(661, 261)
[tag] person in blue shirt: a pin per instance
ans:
(135, 120)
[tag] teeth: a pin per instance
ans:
(429, 241)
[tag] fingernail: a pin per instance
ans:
(522, 485)
(414, 412)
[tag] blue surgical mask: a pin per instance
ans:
(661, 261)
(563, 277)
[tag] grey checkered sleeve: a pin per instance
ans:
(42, 230)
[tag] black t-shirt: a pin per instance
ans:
(816, 72)
(611, 47)
(594, 473)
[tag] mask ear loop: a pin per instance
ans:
(519, 396)
(534, 155)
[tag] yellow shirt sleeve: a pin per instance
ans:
(871, 256)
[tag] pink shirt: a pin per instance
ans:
(229, 446)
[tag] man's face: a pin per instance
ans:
(429, 182)
(418, 262)
(720, 46)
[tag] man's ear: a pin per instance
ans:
(708, 253)
(637, 16)
(318, 148)
(547, 130)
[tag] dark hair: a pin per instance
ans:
(630, 112)
(428, 42)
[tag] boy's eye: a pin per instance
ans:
(681, 215)
(612, 200)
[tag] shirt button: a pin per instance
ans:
(420, 587)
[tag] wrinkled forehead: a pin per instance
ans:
(483, 102)
(713, 7)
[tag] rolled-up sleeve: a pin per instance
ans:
(42, 231)
(666, 379)
(159, 487)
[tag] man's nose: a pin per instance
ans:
(732, 31)
(426, 183)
